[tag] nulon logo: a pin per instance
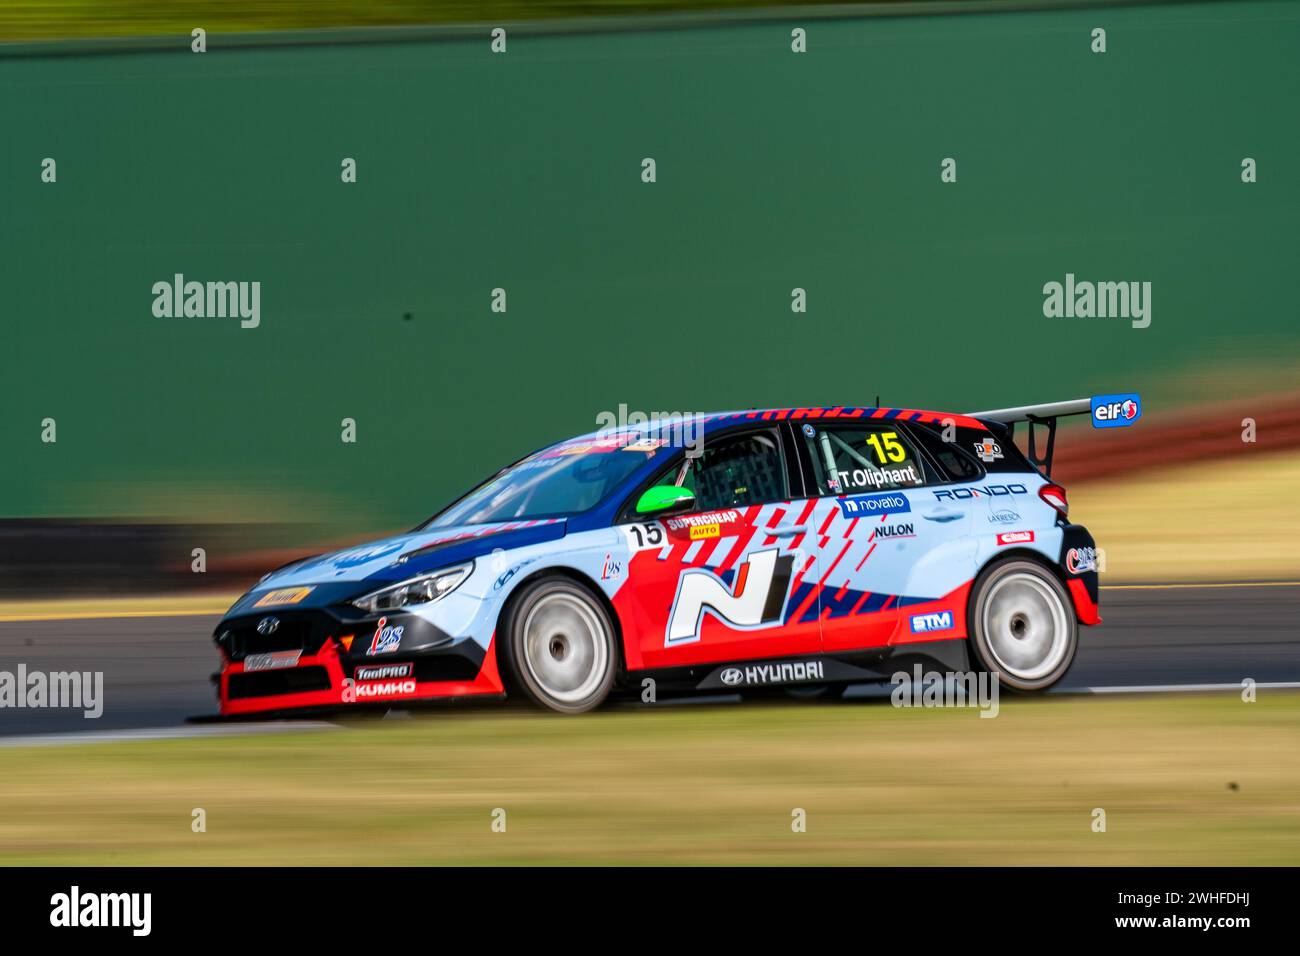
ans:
(756, 599)
(886, 531)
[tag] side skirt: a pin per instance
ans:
(877, 665)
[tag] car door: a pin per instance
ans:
(887, 544)
(731, 580)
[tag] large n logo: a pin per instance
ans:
(757, 599)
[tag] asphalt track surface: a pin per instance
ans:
(156, 669)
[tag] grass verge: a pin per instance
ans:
(1183, 780)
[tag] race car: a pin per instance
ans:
(796, 548)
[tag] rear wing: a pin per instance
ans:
(1106, 411)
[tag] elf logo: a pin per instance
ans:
(1116, 411)
(755, 600)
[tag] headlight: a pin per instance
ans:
(422, 590)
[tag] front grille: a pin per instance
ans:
(293, 634)
(291, 680)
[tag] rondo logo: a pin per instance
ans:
(1116, 411)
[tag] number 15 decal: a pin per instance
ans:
(887, 446)
(644, 537)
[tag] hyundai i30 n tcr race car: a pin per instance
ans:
(803, 546)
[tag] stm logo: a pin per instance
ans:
(925, 623)
(756, 600)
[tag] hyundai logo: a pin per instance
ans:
(732, 676)
(268, 626)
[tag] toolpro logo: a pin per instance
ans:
(757, 598)
(1116, 411)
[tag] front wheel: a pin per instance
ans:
(1022, 625)
(559, 644)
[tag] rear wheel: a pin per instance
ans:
(1022, 625)
(559, 643)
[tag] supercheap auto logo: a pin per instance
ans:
(1116, 411)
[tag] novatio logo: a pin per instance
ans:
(1099, 300)
(102, 909)
(210, 300)
(858, 505)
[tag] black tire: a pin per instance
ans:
(1022, 625)
(569, 662)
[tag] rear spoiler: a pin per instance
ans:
(1038, 415)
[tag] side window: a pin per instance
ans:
(733, 472)
(851, 459)
(955, 465)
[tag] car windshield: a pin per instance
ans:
(565, 479)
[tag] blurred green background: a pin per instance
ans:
(522, 171)
(54, 19)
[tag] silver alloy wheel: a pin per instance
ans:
(565, 647)
(1026, 626)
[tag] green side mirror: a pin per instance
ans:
(663, 498)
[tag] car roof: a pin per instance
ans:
(716, 421)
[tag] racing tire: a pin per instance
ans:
(1022, 625)
(559, 645)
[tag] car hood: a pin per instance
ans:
(344, 574)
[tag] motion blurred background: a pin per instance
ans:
(522, 171)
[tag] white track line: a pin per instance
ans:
(166, 733)
(1177, 688)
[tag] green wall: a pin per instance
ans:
(522, 171)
